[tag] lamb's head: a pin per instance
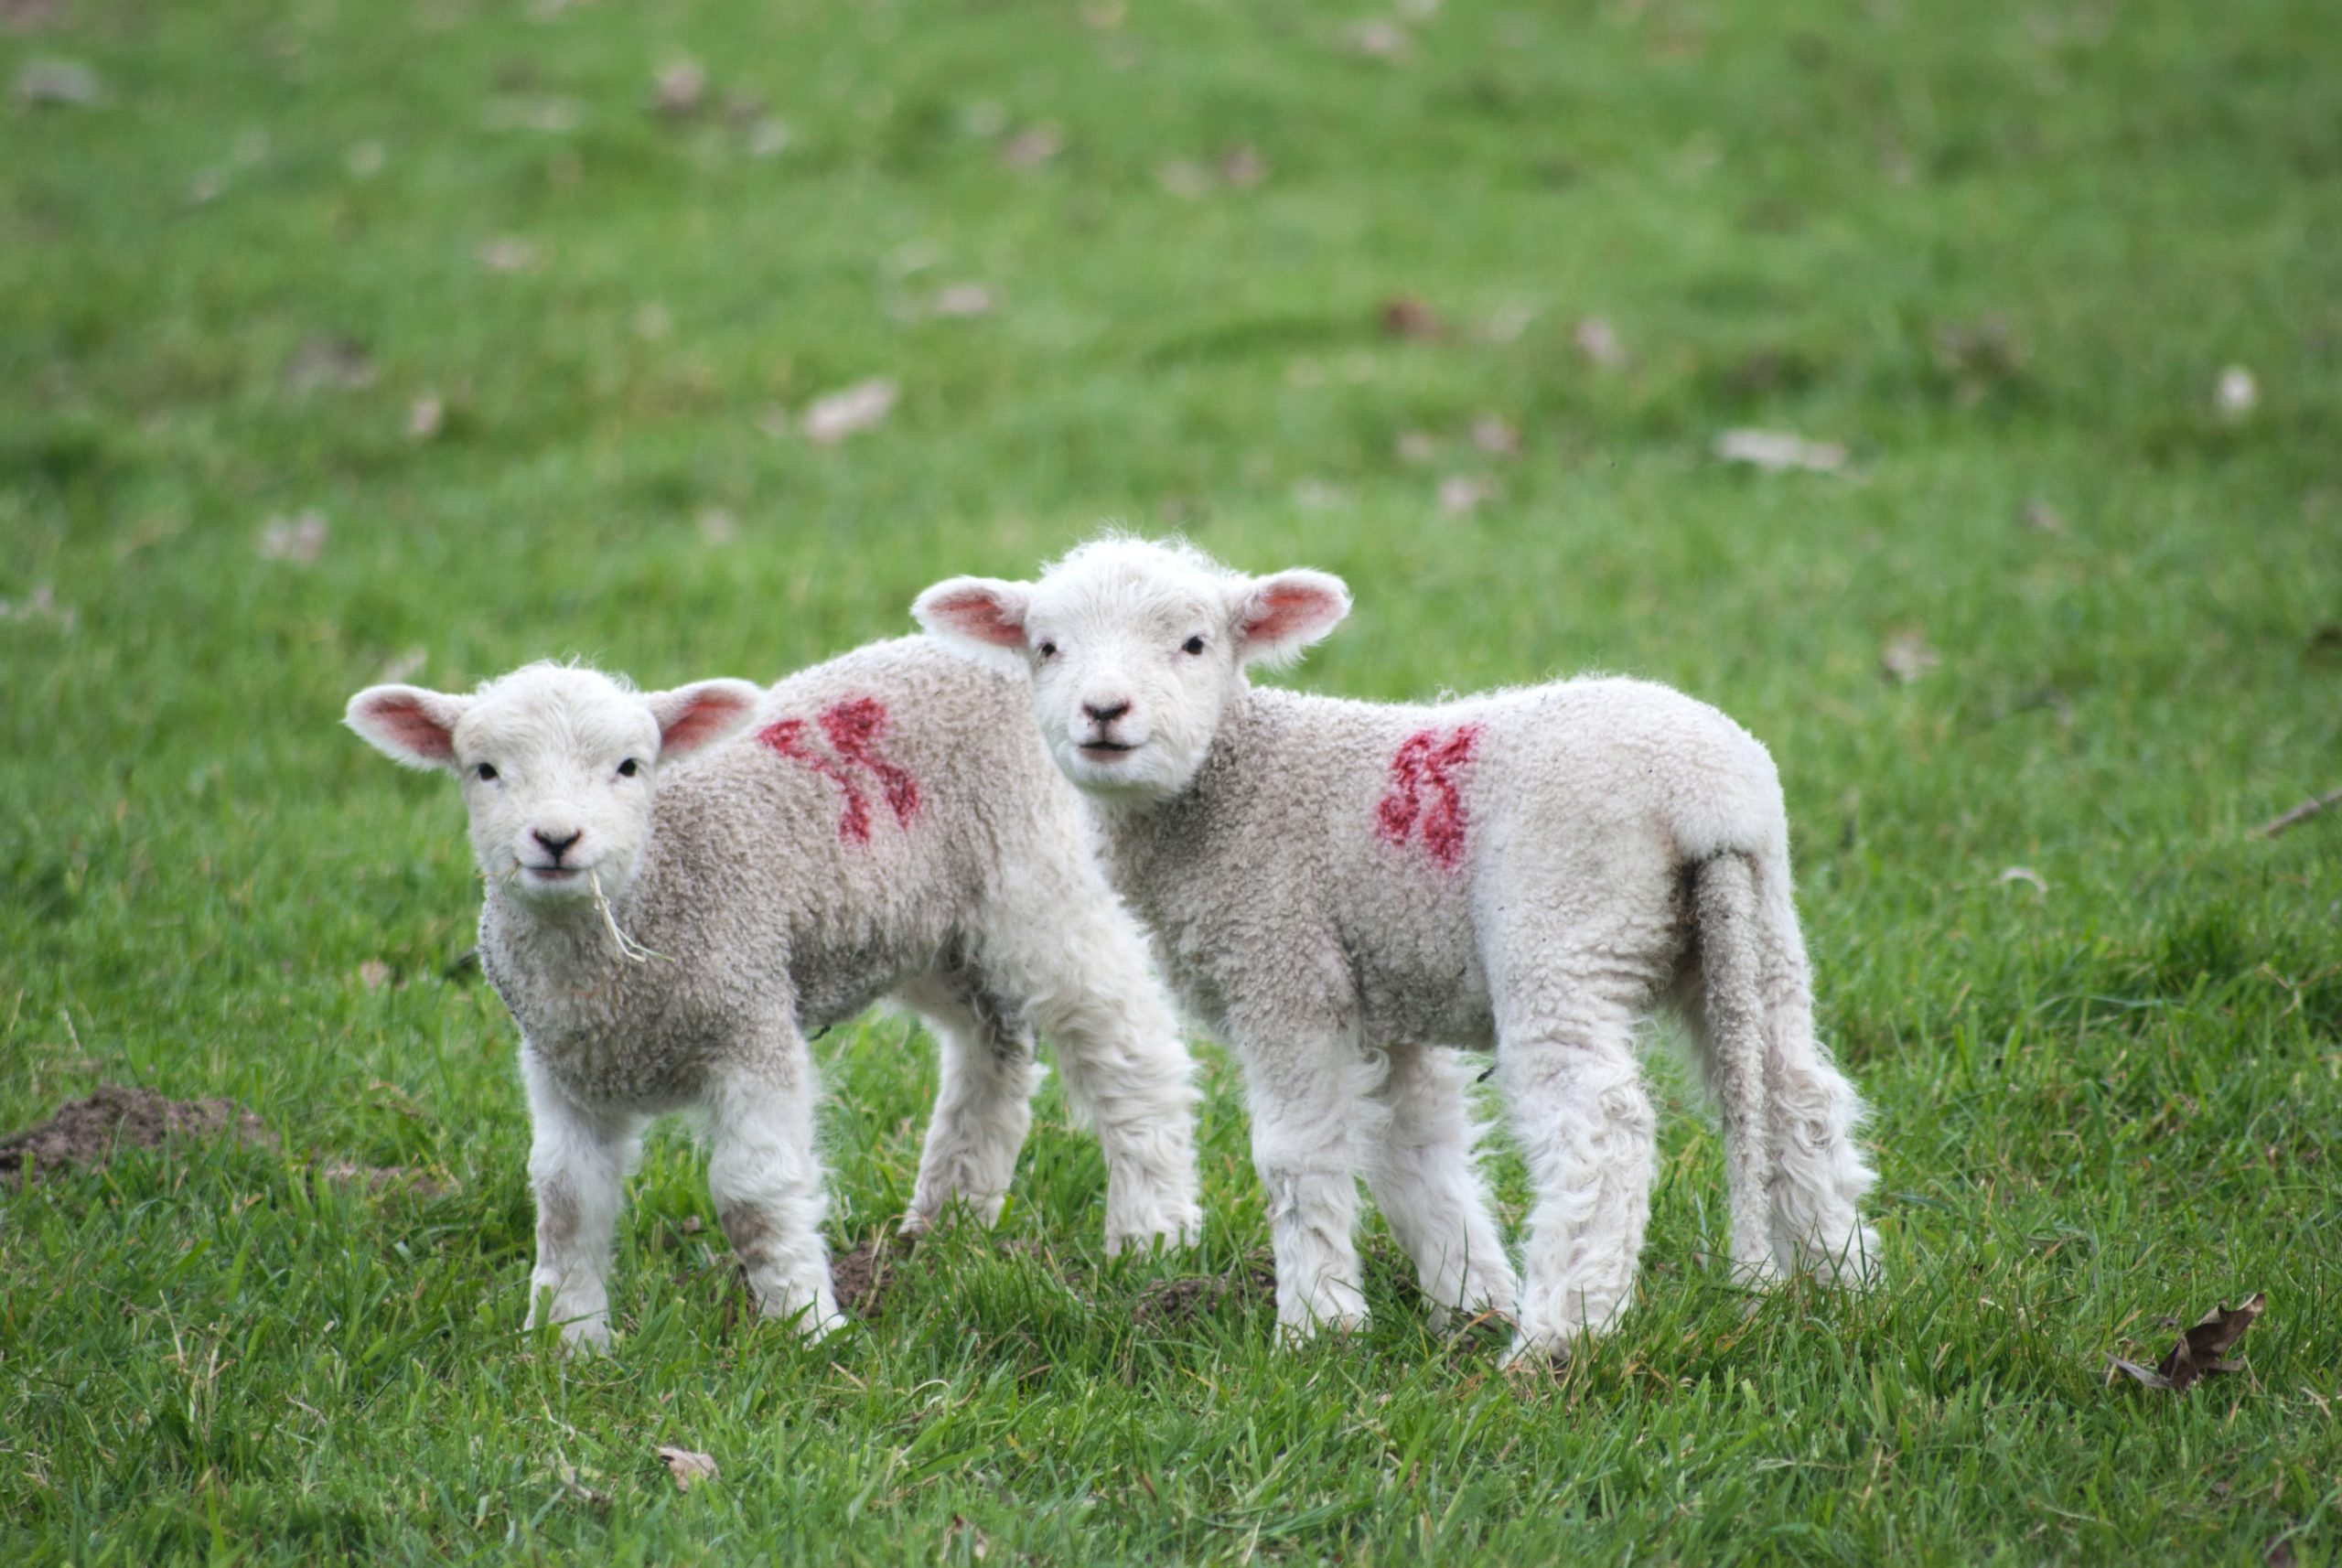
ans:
(557, 765)
(1135, 648)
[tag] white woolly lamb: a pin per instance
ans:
(1335, 886)
(668, 929)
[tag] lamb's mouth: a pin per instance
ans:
(1105, 750)
(552, 876)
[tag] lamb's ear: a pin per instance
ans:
(1277, 617)
(692, 716)
(976, 610)
(407, 724)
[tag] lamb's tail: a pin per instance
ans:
(1797, 1175)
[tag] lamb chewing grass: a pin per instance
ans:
(683, 885)
(1337, 888)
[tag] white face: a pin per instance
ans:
(557, 765)
(1136, 650)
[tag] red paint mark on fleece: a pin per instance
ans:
(1424, 788)
(852, 728)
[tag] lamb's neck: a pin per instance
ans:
(569, 938)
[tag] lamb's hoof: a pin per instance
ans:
(1168, 1232)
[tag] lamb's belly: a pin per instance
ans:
(1438, 999)
(626, 1069)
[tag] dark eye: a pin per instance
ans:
(629, 769)
(1048, 651)
(484, 772)
(1193, 645)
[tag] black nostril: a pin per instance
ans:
(556, 847)
(1106, 714)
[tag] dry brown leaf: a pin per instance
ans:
(978, 1545)
(680, 88)
(1496, 436)
(1408, 315)
(374, 975)
(326, 360)
(1460, 494)
(29, 16)
(406, 666)
(511, 255)
(1598, 342)
(1907, 656)
(299, 539)
(1032, 147)
(424, 416)
(688, 1466)
(960, 300)
(2237, 392)
(2039, 514)
(1774, 450)
(2202, 1349)
(58, 81)
(862, 406)
(1378, 40)
(1242, 167)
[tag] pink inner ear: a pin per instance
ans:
(708, 716)
(1285, 610)
(411, 729)
(976, 612)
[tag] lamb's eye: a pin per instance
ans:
(485, 772)
(1193, 645)
(629, 769)
(1048, 651)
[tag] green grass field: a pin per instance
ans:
(534, 352)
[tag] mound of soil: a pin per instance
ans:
(89, 1132)
(862, 1277)
(1174, 1302)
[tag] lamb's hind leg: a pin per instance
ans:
(1575, 1091)
(985, 1079)
(765, 1179)
(1425, 1180)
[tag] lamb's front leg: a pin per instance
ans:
(983, 1099)
(1304, 1097)
(1092, 990)
(765, 1179)
(579, 1160)
(1422, 1172)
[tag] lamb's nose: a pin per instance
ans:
(556, 847)
(1103, 714)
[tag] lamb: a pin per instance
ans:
(1336, 887)
(673, 908)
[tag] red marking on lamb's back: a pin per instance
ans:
(852, 728)
(1425, 789)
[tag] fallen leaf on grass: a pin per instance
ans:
(2237, 392)
(1598, 342)
(60, 81)
(1378, 40)
(424, 416)
(688, 1467)
(718, 526)
(1460, 494)
(680, 88)
(2202, 1349)
(1410, 316)
(1242, 167)
(1032, 147)
(2039, 514)
(41, 605)
(1907, 656)
(364, 160)
(326, 360)
(960, 301)
(24, 15)
(769, 138)
(511, 255)
(405, 666)
(1774, 450)
(299, 539)
(862, 406)
(578, 1491)
(1496, 436)
(374, 975)
(977, 1544)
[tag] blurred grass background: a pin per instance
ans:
(340, 337)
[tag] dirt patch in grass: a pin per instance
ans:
(865, 1276)
(87, 1133)
(1173, 1303)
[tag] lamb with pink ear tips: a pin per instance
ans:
(1337, 888)
(682, 886)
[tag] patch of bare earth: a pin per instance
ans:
(1174, 1303)
(864, 1276)
(87, 1133)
